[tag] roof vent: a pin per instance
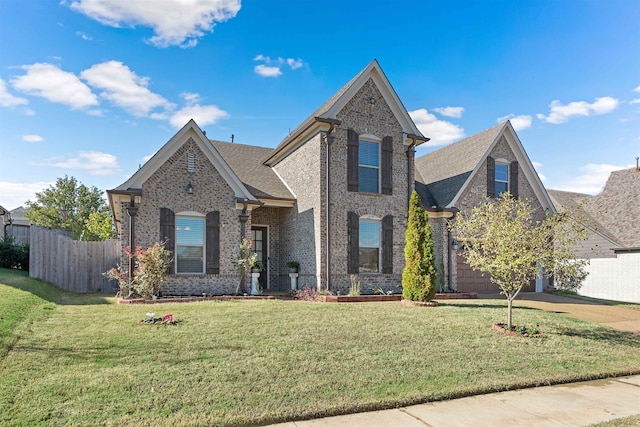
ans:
(191, 161)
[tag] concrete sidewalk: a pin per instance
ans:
(575, 404)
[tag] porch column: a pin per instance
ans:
(132, 210)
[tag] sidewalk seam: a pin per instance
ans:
(404, 410)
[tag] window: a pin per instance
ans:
(369, 167)
(189, 245)
(501, 178)
(369, 246)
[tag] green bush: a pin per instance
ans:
(419, 275)
(13, 255)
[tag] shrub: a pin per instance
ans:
(419, 275)
(354, 290)
(150, 271)
(13, 255)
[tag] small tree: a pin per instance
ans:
(419, 274)
(245, 261)
(503, 239)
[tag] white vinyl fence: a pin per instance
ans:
(614, 278)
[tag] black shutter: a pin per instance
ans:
(352, 160)
(513, 179)
(168, 234)
(213, 242)
(353, 233)
(491, 177)
(387, 244)
(386, 165)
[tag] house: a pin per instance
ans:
(333, 196)
(16, 224)
(612, 219)
(457, 177)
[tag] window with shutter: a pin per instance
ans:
(386, 165)
(352, 160)
(369, 246)
(491, 177)
(501, 179)
(167, 234)
(353, 242)
(213, 242)
(368, 167)
(387, 244)
(190, 244)
(513, 179)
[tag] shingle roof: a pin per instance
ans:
(617, 207)
(445, 171)
(318, 113)
(577, 203)
(246, 163)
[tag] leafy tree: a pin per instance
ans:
(74, 207)
(503, 239)
(419, 274)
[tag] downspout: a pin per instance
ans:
(328, 139)
(132, 210)
(410, 154)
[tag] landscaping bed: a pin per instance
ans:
(166, 300)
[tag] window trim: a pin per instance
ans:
(374, 219)
(507, 164)
(375, 140)
(194, 215)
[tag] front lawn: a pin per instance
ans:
(84, 362)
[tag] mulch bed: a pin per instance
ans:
(502, 328)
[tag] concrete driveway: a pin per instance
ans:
(616, 317)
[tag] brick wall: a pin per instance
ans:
(166, 188)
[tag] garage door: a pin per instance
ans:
(476, 281)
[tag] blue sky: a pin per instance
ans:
(91, 88)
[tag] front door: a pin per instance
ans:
(260, 245)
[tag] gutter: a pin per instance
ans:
(328, 139)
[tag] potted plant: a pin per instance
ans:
(257, 267)
(294, 266)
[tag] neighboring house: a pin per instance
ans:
(612, 219)
(457, 177)
(332, 196)
(16, 224)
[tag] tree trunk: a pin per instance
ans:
(510, 305)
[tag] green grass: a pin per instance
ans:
(88, 361)
(632, 421)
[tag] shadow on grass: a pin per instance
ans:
(610, 336)
(19, 279)
(484, 305)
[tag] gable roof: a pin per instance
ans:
(246, 163)
(330, 109)
(617, 207)
(444, 174)
(134, 184)
(576, 202)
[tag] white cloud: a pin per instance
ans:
(273, 67)
(50, 82)
(174, 22)
(83, 36)
(441, 132)
(637, 89)
(32, 138)
(537, 166)
(202, 114)
(266, 71)
(635, 101)
(454, 112)
(124, 88)
(561, 113)
(15, 194)
(8, 100)
(592, 179)
(520, 122)
(96, 162)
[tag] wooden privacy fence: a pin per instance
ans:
(71, 264)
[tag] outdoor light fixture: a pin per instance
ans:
(372, 100)
(189, 188)
(454, 245)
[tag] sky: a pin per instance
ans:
(93, 88)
